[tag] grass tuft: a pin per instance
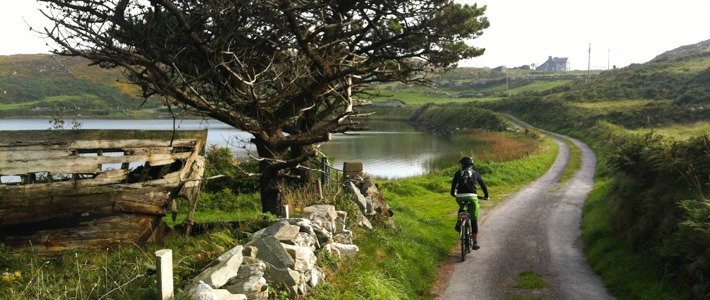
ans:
(530, 280)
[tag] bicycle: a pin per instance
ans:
(465, 234)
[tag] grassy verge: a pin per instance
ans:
(627, 273)
(401, 263)
(575, 161)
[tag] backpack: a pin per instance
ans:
(467, 183)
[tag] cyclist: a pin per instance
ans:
(463, 187)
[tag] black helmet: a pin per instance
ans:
(466, 161)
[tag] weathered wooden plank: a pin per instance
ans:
(28, 208)
(139, 208)
(105, 178)
(83, 164)
(90, 145)
(87, 139)
(25, 155)
(34, 154)
(64, 137)
(88, 233)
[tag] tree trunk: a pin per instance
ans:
(272, 189)
(305, 174)
(272, 182)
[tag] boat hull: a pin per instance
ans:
(93, 189)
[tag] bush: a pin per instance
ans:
(221, 161)
(660, 203)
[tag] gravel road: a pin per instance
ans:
(535, 230)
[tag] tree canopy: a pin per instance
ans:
(285, 71)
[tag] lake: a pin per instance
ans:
(389, 149)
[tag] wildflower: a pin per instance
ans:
(9, 277)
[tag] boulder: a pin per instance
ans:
(363, 221)
(226, 295)
(358, 197)
(304, 258)
(249, 280)
(271, 251)
(304, 240)
(282, 230)
(316, 208)
(221, 270)
(306, 226)
(316, 275)
(202, 291)
(323, 235)
(346, 250)
(287, 276)
(344, 237)
(367, 187)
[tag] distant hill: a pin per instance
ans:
(42, 85)
(672, 89)
(681, 75)
(684, 52)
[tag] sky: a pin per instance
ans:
(522, 32)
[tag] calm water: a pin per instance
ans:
(389, 149)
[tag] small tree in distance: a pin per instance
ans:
(285, 71)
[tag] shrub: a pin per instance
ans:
(660, 202)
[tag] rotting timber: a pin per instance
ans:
(93, 189)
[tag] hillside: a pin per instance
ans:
(649, 211)
(42, 85)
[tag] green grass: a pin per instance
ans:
(530, 281)
(539, 86)
(418, 96)
(51, 99)
(627, 273)
(575, 161)
(605, 107)
(119, 274)
(680, 131)
(690, 66)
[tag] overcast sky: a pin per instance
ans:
(522, 32)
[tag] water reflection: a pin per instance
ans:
(389, 149)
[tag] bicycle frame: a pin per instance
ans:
(465, 233)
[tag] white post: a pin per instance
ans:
(286, 209)
(164, 264)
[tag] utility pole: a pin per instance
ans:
(608, 58)
(589, 62)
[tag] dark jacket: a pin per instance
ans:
(456, 183)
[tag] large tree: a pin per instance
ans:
(285, 71)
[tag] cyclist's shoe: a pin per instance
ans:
(475, 246)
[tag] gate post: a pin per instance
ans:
(164, 265)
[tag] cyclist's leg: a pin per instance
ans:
(474, 223)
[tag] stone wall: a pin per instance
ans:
(284, 255)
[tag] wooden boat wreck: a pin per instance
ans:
(93, 189)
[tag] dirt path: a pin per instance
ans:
(535, 230)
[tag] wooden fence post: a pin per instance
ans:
(164, 264)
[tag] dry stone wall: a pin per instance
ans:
(284, 255)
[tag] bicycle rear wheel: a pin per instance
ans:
(464, 241)
(469, 241)
(465, 238)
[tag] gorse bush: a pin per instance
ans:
(661, 202)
